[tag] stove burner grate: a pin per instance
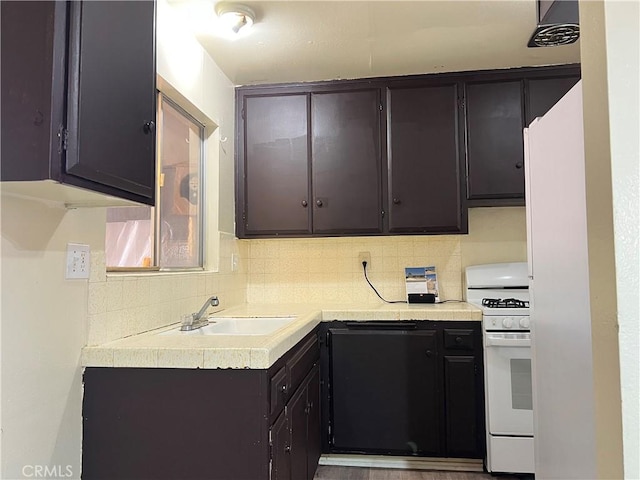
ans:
(504, 303)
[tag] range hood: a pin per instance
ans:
(558, 23)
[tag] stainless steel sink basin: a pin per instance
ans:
(237, 326)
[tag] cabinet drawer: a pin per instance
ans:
(458, 339)
(278, 391)
(301, 362)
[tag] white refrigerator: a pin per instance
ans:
(563, 404)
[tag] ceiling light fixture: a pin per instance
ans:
(235, 18)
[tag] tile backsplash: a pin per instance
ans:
(121, 305)
(327, 270)
(302, 270)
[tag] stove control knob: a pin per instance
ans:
(524, 322)
(507, 322)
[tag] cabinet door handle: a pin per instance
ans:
(148, 127)
(519, 165)
(283, 389)
(397, 201)
(429, 353)
(304, 203)
(319, 203)
(458, 340)
(287, 448)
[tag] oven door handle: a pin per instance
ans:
(508, 340)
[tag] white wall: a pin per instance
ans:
(606, 378)
(187, 70)
(609, 52)
(44, 318)
(43, 330)
(188, 75)
(622, 22)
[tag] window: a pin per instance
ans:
(168, 236)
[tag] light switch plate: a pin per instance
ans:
(234, 262)
(78, 260)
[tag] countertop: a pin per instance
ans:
(151, 350)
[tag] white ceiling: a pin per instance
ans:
(295, 41)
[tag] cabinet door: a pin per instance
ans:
(346, 162)
(297, 413)
(544, 93)
(464, 431)
(304, 420)
(222, 434)
(112, 95)
(495, 150)
(277, 392)
(424, 160)
(276, 171)
(385, 391)
(313, 423)
(28, 118)
(280, 449)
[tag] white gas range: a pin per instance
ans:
(501, 291)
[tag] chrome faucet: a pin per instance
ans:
(196, 320)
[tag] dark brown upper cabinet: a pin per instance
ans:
(276, 165)
(79, 98)
(495, 151)
(498, 106)
(396, 155)
(309, 163)
(544, 93)
(346, 162)
(425, 159)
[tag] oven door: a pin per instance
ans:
(508, 383)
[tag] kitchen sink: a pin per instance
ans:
(237, 326)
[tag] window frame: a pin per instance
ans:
(155, 216)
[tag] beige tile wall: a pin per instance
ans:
(327, 269)
(496, 234)
(317, 270)
(123, 304)
(321, 269)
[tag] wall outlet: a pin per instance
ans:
(364, 257)
(234, 262)
(78, 260)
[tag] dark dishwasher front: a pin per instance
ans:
(385, 395)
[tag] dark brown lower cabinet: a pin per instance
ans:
(403, 388)
(461, 401)
(314, 444)
(296, 446)
(214, 424)
(281, 449)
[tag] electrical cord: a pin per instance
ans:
(366, 277)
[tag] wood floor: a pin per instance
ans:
(328, 472)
